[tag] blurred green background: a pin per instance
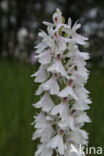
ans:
(20, 21)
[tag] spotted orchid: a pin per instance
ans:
(63, 98)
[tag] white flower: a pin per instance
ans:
(45, 58)
(69, 22)
(68, 121)
(42, 34)
(79, 77)
(68, 91)
(82, 117)
(43, 150)
(83, 55)
(57, 141)
(40, 47)
(76, 26)
(50, 42)
(41, 75)
(79, 39)
(44, 128)
(50, 85)
(79, 137)
(45, 103)
(45, 134)
(84, 98)
(39, 90)
(40, 121)
(57, 17)
(57, 67)
(61, 109)
(80, 106)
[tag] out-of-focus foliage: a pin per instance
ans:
(20, 20)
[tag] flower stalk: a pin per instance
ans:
(63, 98)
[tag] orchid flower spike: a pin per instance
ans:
(63, 98)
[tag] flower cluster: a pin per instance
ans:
(63, 98)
